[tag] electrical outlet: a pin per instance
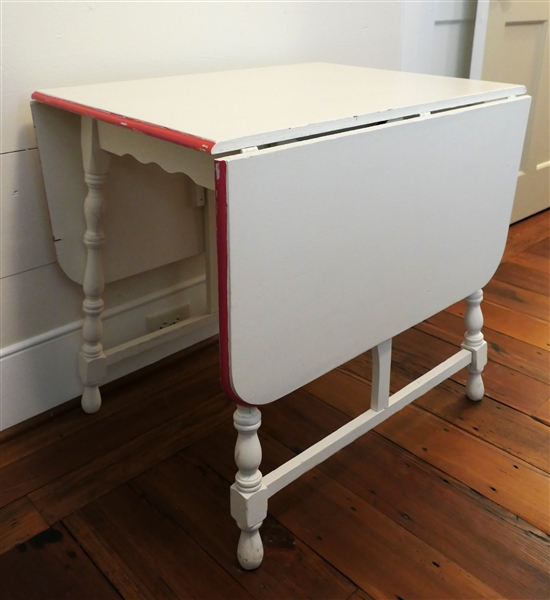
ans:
(164, 319)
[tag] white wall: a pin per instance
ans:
(50, 44)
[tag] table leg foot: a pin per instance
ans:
(91, 399)
(250, 551)
(475, 390)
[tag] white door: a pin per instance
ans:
(436, 37)
(511, 45)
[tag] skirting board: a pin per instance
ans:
(42, 373)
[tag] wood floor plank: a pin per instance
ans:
(52, 566)
(197, 498)
(504, 385)
(503, 349)
(538, 262)
(541, 248)
(360, 595)
(116, 397)
(369, 548)
(489, 542)
(504, 427)
(509, 322)
(348, 394)
(19, 521)
(21, 477)
(524, 277)
(513, 484)
(509, 387)
(526, 233)
(145, 554)
(517, 299)
(501, 383)
(542, 414)
(81, 486)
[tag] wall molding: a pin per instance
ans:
(41, 372)
(107, 314)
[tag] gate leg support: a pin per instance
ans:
(473, 341)
(92, 360)
(248, 496)
(381, 370)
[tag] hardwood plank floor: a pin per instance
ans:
(196, 497)
(125, 535)
(52, 566)
(503, 349)
(446, 499)
(18, 522)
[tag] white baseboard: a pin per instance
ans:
(40, 373)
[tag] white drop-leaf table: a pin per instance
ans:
(350, 204)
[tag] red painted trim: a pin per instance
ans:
(169, 135)
(223, 263)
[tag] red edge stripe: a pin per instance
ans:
(169, 135)
(221, 235)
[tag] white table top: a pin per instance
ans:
(230, 110)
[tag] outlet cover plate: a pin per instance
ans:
(164, 319)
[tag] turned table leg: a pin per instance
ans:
(473, 340)
(92, 361)
(248, 455)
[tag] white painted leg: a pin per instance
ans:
(473, 341)
(248, 455)
(92, 361)
(381, 368)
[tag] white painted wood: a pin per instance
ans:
(254, 107)
(417, 23)
(516, 49)
(26, 314)
(381, 370)
(279, 478)
(92, 363)
(453, 37)
(480, 35)
(199, 166)
(150, 218)
(151, 340)
(473, 340)
(40, 375)
(332, 242)
(248, 456)
(25, 235)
